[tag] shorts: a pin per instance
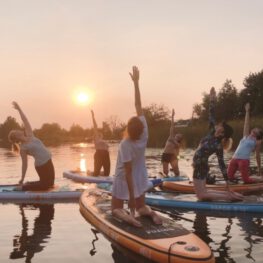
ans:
(167, 157)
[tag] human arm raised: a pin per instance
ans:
(28, 128)
(212, 99)
(95, 126)
(172, 125)
(247, 120)
(135, 75)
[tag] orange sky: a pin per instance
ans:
(50, 48)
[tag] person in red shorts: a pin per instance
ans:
(240, 161)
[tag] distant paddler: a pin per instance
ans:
(171, 150)
(101, 155)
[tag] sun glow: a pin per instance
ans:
(82, 97)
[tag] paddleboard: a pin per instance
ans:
(188, 187)
(189, 201)
(8, 193)
(83, 177)
(169, 242)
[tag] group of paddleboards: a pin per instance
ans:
(139, 227)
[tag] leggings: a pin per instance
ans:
(101, 159)
(46, 175)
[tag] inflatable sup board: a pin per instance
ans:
(169, 242)
(189, 201)
(188, 187)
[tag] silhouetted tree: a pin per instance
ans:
(9, 124)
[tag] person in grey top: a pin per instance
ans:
(26, 144)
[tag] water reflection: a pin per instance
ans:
(25, 245)
(225, 246)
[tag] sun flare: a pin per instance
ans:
(82, 98)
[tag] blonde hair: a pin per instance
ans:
(15, 143)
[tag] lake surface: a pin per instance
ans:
(58, 233)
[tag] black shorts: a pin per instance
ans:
(201, 170)
(167, 157)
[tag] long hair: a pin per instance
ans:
(227, 141)
(14, 141)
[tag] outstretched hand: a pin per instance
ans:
(212, 94)
(92, 112)
(135, 75)
(247, 106)
(15, 105)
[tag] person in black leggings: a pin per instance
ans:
(101, 156)
(26, 144)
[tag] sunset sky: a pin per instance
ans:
(51, 48)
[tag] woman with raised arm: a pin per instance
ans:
(171, 150)
(27, 144)
(101, 156)
(214, 142)
(240, 161)
(131, 179)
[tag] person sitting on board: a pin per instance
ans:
(171, 150)
(131, 179)
(218, 138)
(26, 144)
(101, 156)
(240, 161)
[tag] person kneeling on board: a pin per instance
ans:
(131, 179)
(214, 142)
(26, 144)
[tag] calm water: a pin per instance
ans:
(58, 233)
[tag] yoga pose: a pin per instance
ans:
(27, 144)
(240, 161)
(171, 150)
(213, 143)
(101, 156)
(131, 180)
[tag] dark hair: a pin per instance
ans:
(228, 130)
(259, 135)
(134, 128)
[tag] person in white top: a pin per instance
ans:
(251, 141)
(171, 150)
(26, 144)
(101, 156)
(131, 179)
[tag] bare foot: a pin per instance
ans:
(156, 218)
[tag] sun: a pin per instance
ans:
(82, 98)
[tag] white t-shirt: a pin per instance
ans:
(37, 150)
(134, 152)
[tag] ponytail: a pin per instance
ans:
(227, 144)
(15, 147)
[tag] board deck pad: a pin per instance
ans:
(149, 230)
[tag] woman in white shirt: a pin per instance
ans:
(131, 180)
(26, 144)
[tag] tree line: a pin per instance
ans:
(230, 107)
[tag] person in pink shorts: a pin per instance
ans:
(240, 161)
